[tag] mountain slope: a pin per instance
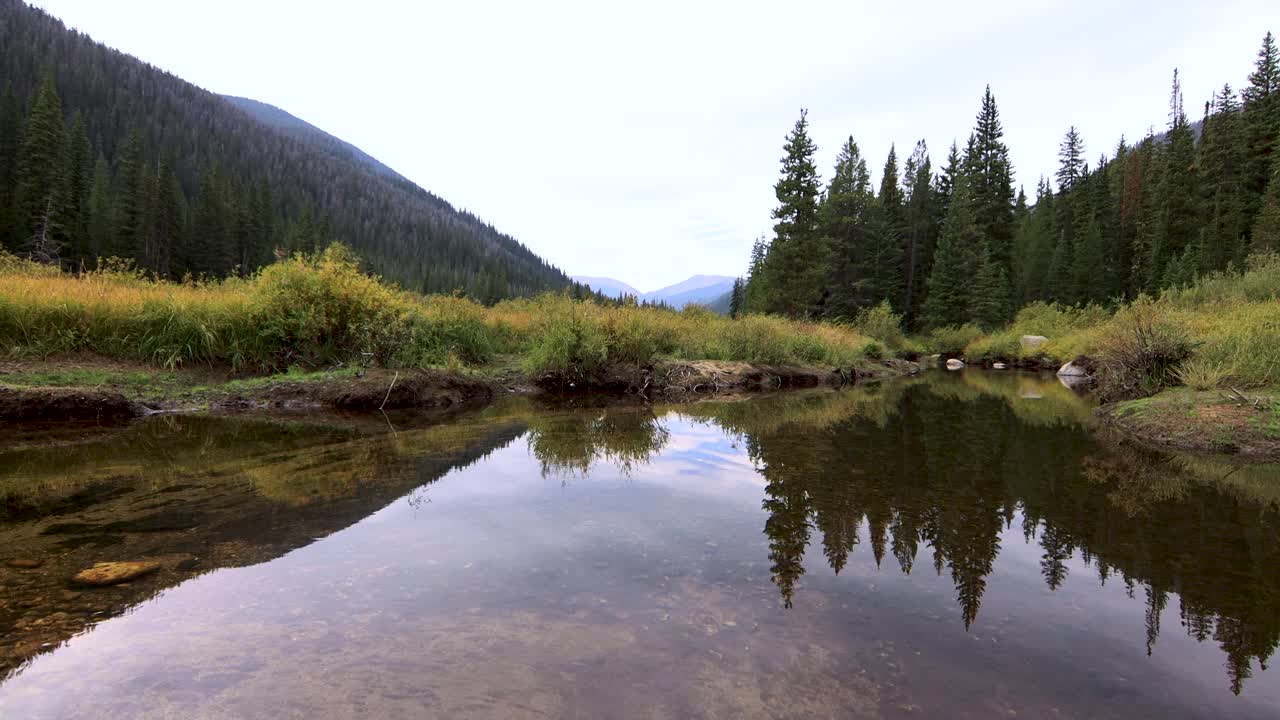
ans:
(301, 129)
(608, 286)
(193, 182)
(702, 289)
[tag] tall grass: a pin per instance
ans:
(1223, 329)
(322, 311)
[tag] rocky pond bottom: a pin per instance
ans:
(955, 545)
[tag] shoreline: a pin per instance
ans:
(92, 389)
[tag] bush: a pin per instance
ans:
(883, 324)
(1200, 374)
(953, 339)
(1142, 348)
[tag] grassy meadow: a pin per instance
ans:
(320, 313)
(1222, 330)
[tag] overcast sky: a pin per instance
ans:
(641, 141)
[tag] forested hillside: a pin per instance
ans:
(104, 155)
(962, 245)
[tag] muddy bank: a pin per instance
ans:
(1201, 422)
(151, 390)
(65, 404)
(678, 380)
(375, 390)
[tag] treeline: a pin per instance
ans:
(961, 246)
(103, 155)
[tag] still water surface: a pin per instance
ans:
(958, 545)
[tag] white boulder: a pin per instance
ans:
(954, 364)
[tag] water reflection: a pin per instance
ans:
(941, 466)
(760, 527)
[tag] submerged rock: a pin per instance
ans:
(954, 364)
(25, 563)
(114, 573)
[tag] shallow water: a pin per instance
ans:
(955, 545)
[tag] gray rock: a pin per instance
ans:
(1071, 369)
(954, 364)
(1000, 366)
(1032, 342)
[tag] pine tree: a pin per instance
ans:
(1034, 243)
(10, 145)
(101, 210)
(951, 278)
(131, 200)
(797, 257)
(737, 297)
(947, 180)
(1071, 162)
(991, 304)
(41, 172)
(990, 174)
(75, 194)
(1261, 121)
(921, 229)
(1178, 218)
(1088, 265)
(757, 296)
(1059, 285)
(1222, 159)
(1266, 229)
(845, 226)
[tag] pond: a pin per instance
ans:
(960, 545)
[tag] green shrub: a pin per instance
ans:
(1142, 348)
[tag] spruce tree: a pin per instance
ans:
(101, 210)
(736, 297)
(991, 304)
(130, 200)
(1266, 229)
(1088, 265)
(75, 194)
(757, 296)
(921, 229)
(951, 278)
(41, 173)
(845, 226)
(1071, 162)
(10, 144)
(990, 174)
(1178, 218)
(797, 257)
(1059, 284)
(1222, 159)
(1261, 121)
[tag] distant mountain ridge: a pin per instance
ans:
(700, 289)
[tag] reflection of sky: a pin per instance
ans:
(499, 537)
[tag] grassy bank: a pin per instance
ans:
(1195, 368)
(1221, 331)
(322, 314)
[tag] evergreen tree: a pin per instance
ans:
(846, 229)
(78, 164)
(1034, 243)
(1088, 265)
(921, 229)
(131, 200)
(947, 180)
(1071, 162)
(1178, 218)
(1266, 229)
(1059, 284)
(990, 174)
(1222, 159)
(41, 174)
(1261, 121)
(757, 296)
(991, 303)
(10, 145)
(797, 257)
(737, 297)
(954, 261)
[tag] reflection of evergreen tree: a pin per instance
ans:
(933, 472)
